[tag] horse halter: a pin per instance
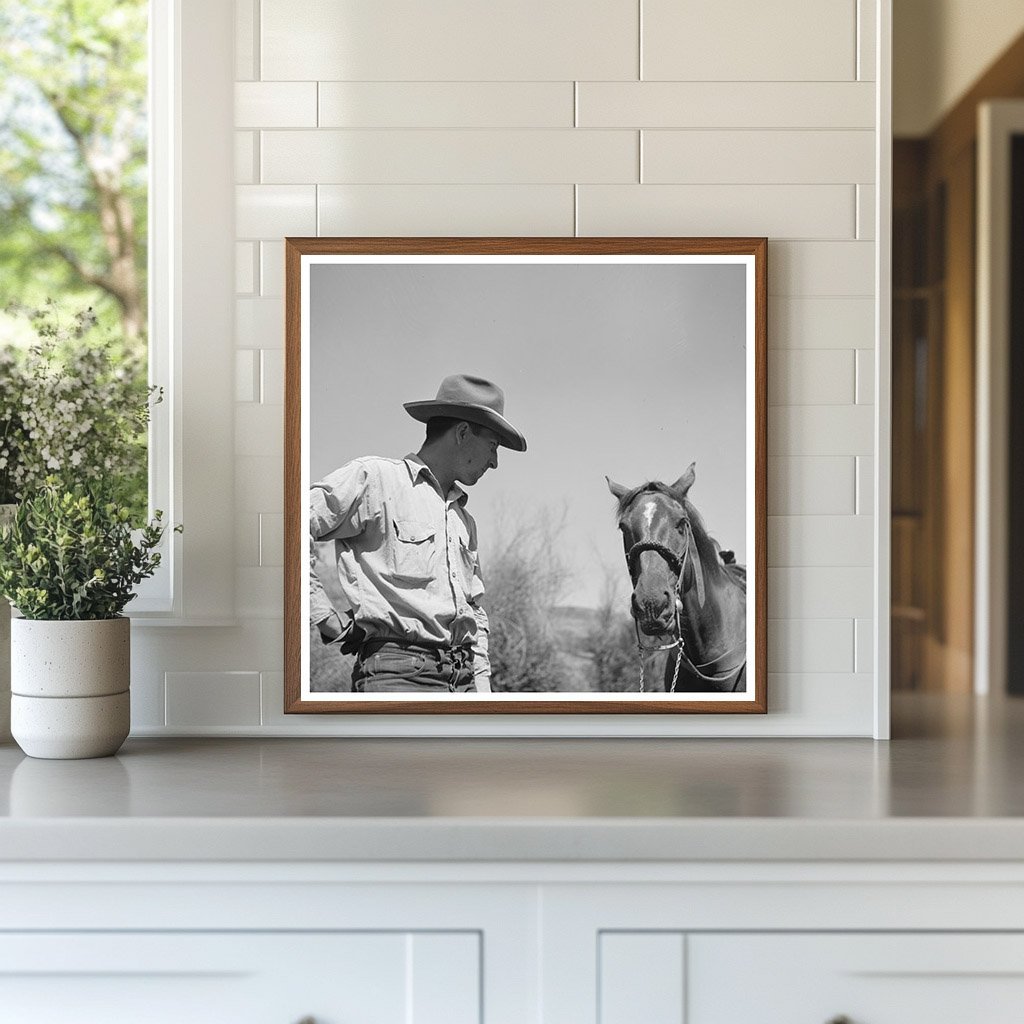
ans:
(678, 565)
(675, 562)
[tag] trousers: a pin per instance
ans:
(396, 666)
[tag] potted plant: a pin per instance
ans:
(11, 433)
(69, 563)
(72, 406)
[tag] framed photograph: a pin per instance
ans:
(525, 475)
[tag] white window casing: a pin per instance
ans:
(191, 275)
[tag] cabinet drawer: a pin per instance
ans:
(241, 978)
(867, 978)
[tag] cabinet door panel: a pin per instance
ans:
(870, 979)
(641, 978)
(241, 978)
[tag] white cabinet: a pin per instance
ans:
(511, 943)
(672, 978)
(241, 978)
(869, 979)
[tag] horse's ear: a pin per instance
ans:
(617, 489)
(685, 482)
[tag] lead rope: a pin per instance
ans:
(675, 671)
(676, 644)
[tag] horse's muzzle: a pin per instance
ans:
(656, 625)
(654, 617)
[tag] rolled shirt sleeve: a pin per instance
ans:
(481, 651)
(337, 511)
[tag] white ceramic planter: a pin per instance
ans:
(69, 683)
(6, 515)
(66, 727)
(81, 658)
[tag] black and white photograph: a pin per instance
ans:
(524, 475)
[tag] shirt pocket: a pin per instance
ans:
(414, 551)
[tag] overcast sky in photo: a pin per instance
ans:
(626, 370)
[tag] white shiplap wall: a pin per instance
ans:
(561, 117)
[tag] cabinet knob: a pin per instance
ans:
(306, 1020)
(841, 1019)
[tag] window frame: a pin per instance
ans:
(191, 331)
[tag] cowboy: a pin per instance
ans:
(401, 587)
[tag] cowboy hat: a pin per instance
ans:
(474, 400)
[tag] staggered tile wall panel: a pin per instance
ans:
(209, 699)
(273, 211)
(812, 376)
(866, 211)
(821, 430)
(271, 268)
(806, 540)
(822, 703)
(864, 645)
(614, 117)
(272, 376)
(720, 105)
(740, 41)
(245, 268)
(259, 484)
(447, 209)
(811, 486)
(865, 376)
(329, 156)
(247, 646)
(247, 361)
(836, 322)
(823, 268)
(447, 105)
(773, 211)
(449, 40)
(246, 146)
(867, 27)
(260, 322)
(811, 645)
(756, 157)
(259, 429)
(258, 591)
(865, 485)
(820, 592)
(276, 105)
(246, 42)
(271, 547)
(247, 545)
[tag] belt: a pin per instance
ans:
(374, 644)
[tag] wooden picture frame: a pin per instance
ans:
(625, 358)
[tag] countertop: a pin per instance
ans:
(948, 787)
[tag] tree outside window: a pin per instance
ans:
(73, 174)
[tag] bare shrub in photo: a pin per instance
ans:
(526, 577)
(330, 671)
(611, 642)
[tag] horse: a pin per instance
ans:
(688, 594)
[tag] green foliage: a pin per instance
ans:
(74, 408)
(73, 155)
(525, 579)
(71, 554)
